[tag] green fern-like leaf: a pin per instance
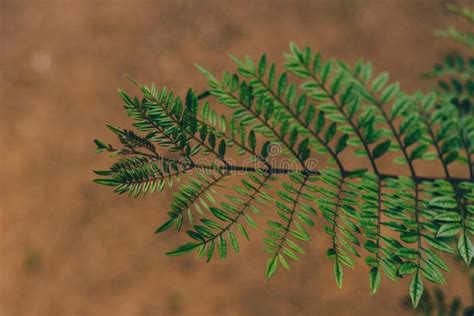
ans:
(278, 125)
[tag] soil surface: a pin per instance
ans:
(69, 247)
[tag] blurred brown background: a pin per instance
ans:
(69, 247)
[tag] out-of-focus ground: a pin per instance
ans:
(69, 247)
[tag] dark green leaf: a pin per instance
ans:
(222, 148)
(167, 225)
(341, 143)
(182, 249)
(381, 149)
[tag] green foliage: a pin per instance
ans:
(400, 225)
(435, 303)
(465, 38)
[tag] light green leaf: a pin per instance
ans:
(449, 230)
(338, 273)
(272, 265)
(416, 288)
(222, 247)
(444, 202)
(407, 253)
(233, 241)
(381, 149)
(408, 267)
(374, 280)
(465, 248)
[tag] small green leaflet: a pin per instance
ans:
(465, 248)
(272, 264)
(375, 279)
(338, 274)
(381, 149)
(182, 249)
(444, 202)
(416, 288)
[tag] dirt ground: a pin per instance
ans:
(69, 247)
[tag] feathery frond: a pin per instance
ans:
(279, 124)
